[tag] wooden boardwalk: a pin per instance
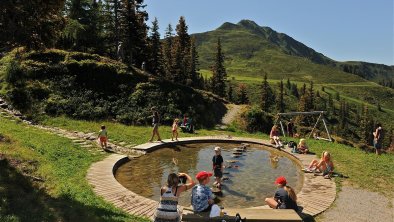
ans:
(316, 195)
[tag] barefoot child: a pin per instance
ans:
(175, 129)
(103, 137)
(217, 165)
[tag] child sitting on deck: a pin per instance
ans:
(274, 137)
(285, 197)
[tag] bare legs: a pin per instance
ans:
(271, 202)
(155, 131)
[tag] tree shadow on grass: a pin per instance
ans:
(20, 200)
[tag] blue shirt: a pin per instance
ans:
(200, 196)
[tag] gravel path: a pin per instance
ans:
(358, 205)
(231, 114)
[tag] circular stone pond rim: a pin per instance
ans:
(316, 195)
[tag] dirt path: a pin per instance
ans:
(354, 204)
(232, 113)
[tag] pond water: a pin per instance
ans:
(247, 185)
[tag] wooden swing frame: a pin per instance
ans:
(321, 117)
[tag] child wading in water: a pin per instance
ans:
(217, 165)
(103, 137)
(175, 129)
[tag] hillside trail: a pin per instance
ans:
(232, 113)
(85, 140)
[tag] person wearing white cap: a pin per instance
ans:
(217, 166)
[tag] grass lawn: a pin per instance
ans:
(65, 194)
(364, 169)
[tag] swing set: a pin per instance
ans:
(321, 117)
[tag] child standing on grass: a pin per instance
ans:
(175, 129)
(103, 137)
(217, 165)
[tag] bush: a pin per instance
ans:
(258, 120)
(14, 73)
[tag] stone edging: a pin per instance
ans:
(316, 195)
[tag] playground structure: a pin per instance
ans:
(321, 117)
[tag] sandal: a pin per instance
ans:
(327, 176)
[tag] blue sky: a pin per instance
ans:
(344, 30)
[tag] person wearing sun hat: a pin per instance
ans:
(284, 198)
(202, 197)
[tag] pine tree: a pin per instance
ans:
(242, 94)
(167, 51)
(180, 53)
(230, 96)
(311, 98)
(288, 85)
(302, 107)
(294, 90)
(280, 103)
(219, 76)
(155, 63)
(193, 70)
(379, 107)
(30, 23)
(267, 97)
(364, 126)
(133, 31)
(337, 97)
(303, 90)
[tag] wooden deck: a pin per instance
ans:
(316, 195)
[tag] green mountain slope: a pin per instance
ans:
(251, 51)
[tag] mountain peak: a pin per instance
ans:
(248, 23)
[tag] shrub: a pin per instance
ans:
(14, 73)
(258, 120)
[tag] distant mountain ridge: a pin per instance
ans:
(247, 40)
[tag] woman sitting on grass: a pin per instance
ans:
(302, 147)
(325, 165)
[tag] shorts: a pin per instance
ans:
(103, 139)
(155, 125)
(377, 145)
(218, 173)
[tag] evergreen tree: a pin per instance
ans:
(155, 63)
(133, 31)
(288, 85)
(323, 89)
(30, 23)
(379, 107)
(303, 90)
(337, 97)
(219, 76)
(242, 94)
(167, 51)
(280, 103)
(311, 98)
(230, 93)
(302, 107)
(265, 95)
(364, 126)
(317, 94)
(294, 90)
(180, 53)
(193, 70)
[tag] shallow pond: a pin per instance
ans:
(247, 185)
